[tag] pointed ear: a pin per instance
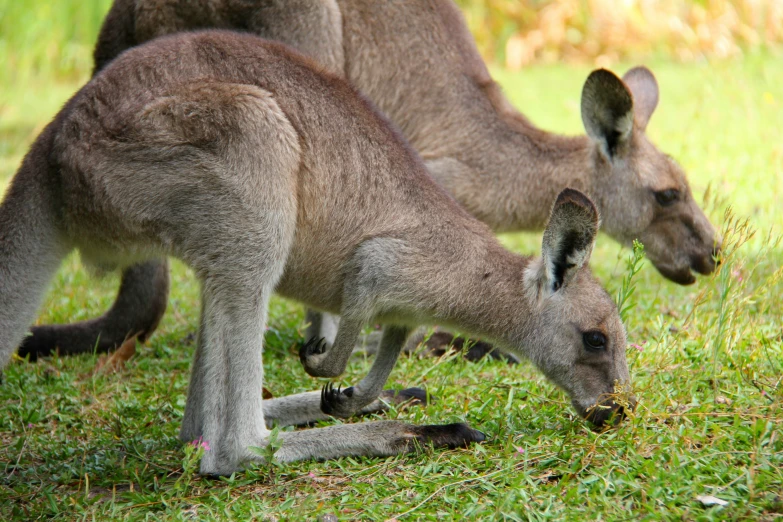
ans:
(569, 237)
(644, 89)
(607, 110)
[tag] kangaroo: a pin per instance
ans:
(418, 62)
(263, 174)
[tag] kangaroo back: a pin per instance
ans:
(419, 64)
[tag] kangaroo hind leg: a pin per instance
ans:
(227, 206)
(372, 439)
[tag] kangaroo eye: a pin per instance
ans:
(667, 197)
(594, 341)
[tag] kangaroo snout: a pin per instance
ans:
(702, 257)
(606, 412)
(602, 415)
(706, 262)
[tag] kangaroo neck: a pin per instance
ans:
(506, 171)
(483, 296)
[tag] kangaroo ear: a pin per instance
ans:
(607, 110)
(644, 88)
(569, 237)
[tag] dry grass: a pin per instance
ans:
(518, 32)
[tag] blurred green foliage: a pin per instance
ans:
(48, 38)
(55, 38)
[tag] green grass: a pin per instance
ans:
(706, 361)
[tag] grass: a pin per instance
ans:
(706, 361)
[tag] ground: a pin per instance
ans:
(706, 363)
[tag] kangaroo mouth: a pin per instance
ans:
(604, 414)
(684, 274)
(705, 264)
(680, 275)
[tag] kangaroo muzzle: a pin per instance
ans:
(607, 412)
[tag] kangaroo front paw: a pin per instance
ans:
(313, 354)
(338, 402)
(314, 347)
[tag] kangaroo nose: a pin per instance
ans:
(707, 261)
(716, 250)
(611, 413)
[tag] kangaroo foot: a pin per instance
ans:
(457, 435)
(406, 397)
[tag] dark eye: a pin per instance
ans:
(594, 341)
(667, 197)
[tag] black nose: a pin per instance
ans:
(706, 262)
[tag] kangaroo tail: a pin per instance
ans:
(32, 244)
(140, 304)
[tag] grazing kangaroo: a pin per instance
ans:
(237, 156)
(417, 61)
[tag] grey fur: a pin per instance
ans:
(262, 174)
(417, 61)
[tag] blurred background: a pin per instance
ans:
(44, 36)
(516, 33)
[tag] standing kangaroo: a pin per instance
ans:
(238, 157)
(417, 61)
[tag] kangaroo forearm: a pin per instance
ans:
(347, 402)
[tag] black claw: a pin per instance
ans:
(330, 398)
(314, 346)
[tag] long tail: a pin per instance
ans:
(140, 304)
(31, 244)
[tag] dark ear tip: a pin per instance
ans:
(573, 196)
(605, 88)
(601, 76)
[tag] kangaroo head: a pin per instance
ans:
(577, 338)
(643, 193)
